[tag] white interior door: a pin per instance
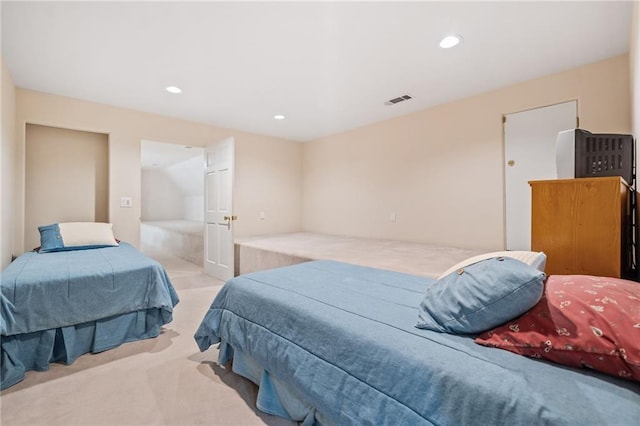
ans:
(530, 153)
(218, 202)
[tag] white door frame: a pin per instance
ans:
(218, 209)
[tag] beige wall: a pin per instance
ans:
(272, 180)
(441, 169)
(634, 61)
(161, 197)
(66, 178)
(7, 154)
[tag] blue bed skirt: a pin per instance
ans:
(274, 396)
(36, 351)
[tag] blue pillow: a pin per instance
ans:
(50, 238)
(480, 296)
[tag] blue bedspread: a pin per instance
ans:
(58, 306)
(41, 291)
(342, 339)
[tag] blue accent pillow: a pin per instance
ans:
(50, 238)
(480, 296)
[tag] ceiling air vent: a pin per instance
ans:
(398, 100)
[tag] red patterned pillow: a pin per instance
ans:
(581, 321)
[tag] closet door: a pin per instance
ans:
(530, 152)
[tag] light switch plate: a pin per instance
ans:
(126, 202)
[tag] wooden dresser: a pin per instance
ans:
(582, 225)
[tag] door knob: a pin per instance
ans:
(511, 163)
(228, 219)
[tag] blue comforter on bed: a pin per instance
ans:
(57, 306)
(341, 338)
(41, 291)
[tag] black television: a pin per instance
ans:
(580, 153)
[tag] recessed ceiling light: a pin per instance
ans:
(450, 41)
(278, 117)
(173, 89)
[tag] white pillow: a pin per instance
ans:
(87, 234)
(75, 236)
(533, 258)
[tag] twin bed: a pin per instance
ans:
(57, 306)
(335, 343)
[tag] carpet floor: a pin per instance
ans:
(160, 381)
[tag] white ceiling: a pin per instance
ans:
(327, 66)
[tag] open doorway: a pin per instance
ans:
(172, 200)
